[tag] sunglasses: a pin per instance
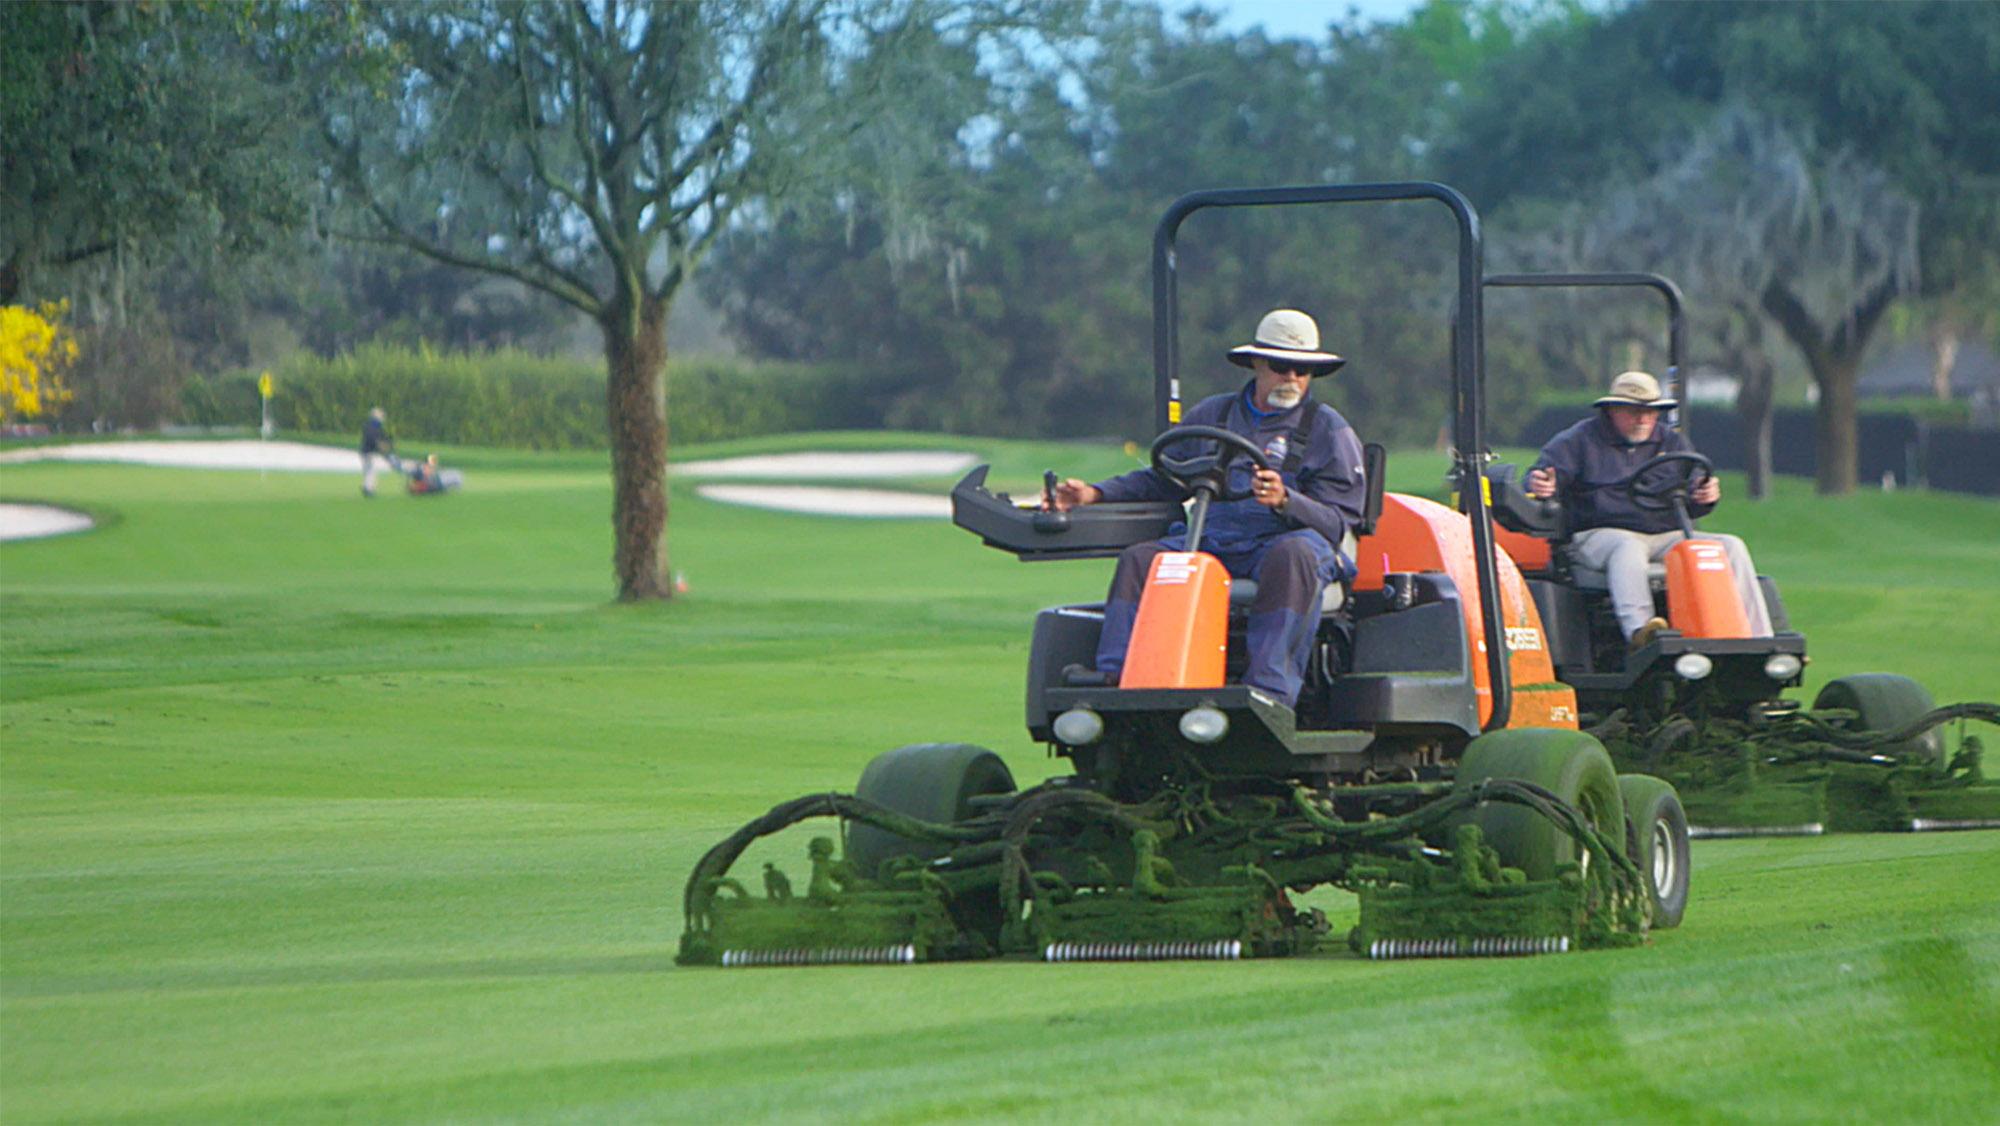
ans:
(1282, 367)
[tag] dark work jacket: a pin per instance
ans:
(1591, 455)
(1325, 494)
(373, 440)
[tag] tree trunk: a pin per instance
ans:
(1944, 357)
(1753, 407)
(1835, 360)
(635, 350)
(1834, 438)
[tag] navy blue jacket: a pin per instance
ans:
(373, 438)
(1591, 455)
(1325, 494)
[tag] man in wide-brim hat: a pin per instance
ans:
(1610, 532)
(1287, 534)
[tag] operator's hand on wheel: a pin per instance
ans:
(1072, 491)
(1268, 488)
(1541, 483)
(1708, 492)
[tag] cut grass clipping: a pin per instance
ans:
(312, 807)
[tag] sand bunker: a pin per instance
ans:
(820, 500)
(295, 457)
(830, 465)
(300, 457)
(810, 499)
(33, 521)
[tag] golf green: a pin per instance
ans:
(314, 807)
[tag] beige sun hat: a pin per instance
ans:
(1635, 389)
(1286, 334)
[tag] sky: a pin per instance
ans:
(1298, 19)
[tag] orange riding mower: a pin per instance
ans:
(1432, 763)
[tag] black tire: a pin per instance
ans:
(1659, 828)
(1885, 702)
(928, 781)
(1569, 764)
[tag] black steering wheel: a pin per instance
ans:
(1692, 470)
(1205, 470)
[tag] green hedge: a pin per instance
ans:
(515, 399)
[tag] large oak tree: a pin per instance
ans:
(619, 140)
(1885, 108)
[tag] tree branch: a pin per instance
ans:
(1797, 323)
(561, 286)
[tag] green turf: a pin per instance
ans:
(313, 807)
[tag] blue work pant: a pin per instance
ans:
(1291, 570)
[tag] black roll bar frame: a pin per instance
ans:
(1468, 360)
(1676, 317)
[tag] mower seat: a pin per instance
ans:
(1243, 591)
(1590, 578)
(1333, 597)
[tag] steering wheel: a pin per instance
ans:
(1208, 469)
(1692, 470)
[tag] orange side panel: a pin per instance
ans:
(1181, 638)
(1529, 552)
(1701, 591)
(1415, 534)
(1543, 705)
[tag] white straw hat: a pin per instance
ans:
(1286, 334)
(1635, 389)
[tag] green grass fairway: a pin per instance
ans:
(318, 808)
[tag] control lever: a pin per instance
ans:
(1047, 519)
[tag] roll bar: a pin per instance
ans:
(1467, 365)
(1676, 318)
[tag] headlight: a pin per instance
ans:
(1204, 725)
(1782, 666)
(1693, 666)
(1079, 726)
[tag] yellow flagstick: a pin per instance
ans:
(264, 427)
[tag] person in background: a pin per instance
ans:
(1612, 534)
(1286, 535)
(375, 444)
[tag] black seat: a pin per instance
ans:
(1516, 511)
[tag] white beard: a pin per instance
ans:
(1286, 396)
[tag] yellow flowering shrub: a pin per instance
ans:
(35, 349)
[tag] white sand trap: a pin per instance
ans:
(809, 466)
(816, 500)
(296, 457)
(820, 500)
(33, 521)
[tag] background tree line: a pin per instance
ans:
(958, 197)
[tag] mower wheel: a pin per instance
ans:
(1569, 764)
(1885, 702)
(1659, 827)
(933, 782)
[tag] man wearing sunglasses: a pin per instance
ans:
(1288, 533)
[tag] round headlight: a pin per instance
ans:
(1782, 666)
(1079, 726)
(1693, 666)
(1204, 725)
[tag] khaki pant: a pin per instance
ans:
(1623, 555)
(370, 464)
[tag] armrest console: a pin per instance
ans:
(1094, 531)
